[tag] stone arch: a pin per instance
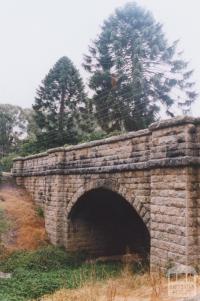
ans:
(115, 187)
(93, 225)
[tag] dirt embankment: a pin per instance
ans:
(25, 227)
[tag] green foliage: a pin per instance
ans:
(44, 259)
(46, 270)
(12, 127)
(17, 134)
(134, 71)
(40, 211)
(30, 146)
(32, 129)
(6, 162)
(3, 223)
(96, 135)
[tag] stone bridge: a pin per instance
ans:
(138, 192)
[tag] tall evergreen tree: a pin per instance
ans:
(134, 71)
(59, 104)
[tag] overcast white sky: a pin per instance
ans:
(34, 34)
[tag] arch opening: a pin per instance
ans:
(103, 223)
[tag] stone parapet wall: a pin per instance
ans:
(167, 143)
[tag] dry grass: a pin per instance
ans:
(27, 229)
(126, 287)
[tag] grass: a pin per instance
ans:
(46, 270)
(23, 220)
(52, 274)
(3, 222)
(125, 286)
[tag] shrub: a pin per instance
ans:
(93, 136)
(44, 259)
(98, 135)
(3, 222)
(40, 212)
(6, 162)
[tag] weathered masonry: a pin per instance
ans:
(139, 191)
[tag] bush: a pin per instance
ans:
(29, 147)
(98, 135)
(44, 259)
(6, 162)
(40, 212)
(93, 136)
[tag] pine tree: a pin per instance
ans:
(134, 71)
(59, 103)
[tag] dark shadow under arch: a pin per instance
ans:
(103, 223)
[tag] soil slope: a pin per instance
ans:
(25, 228)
